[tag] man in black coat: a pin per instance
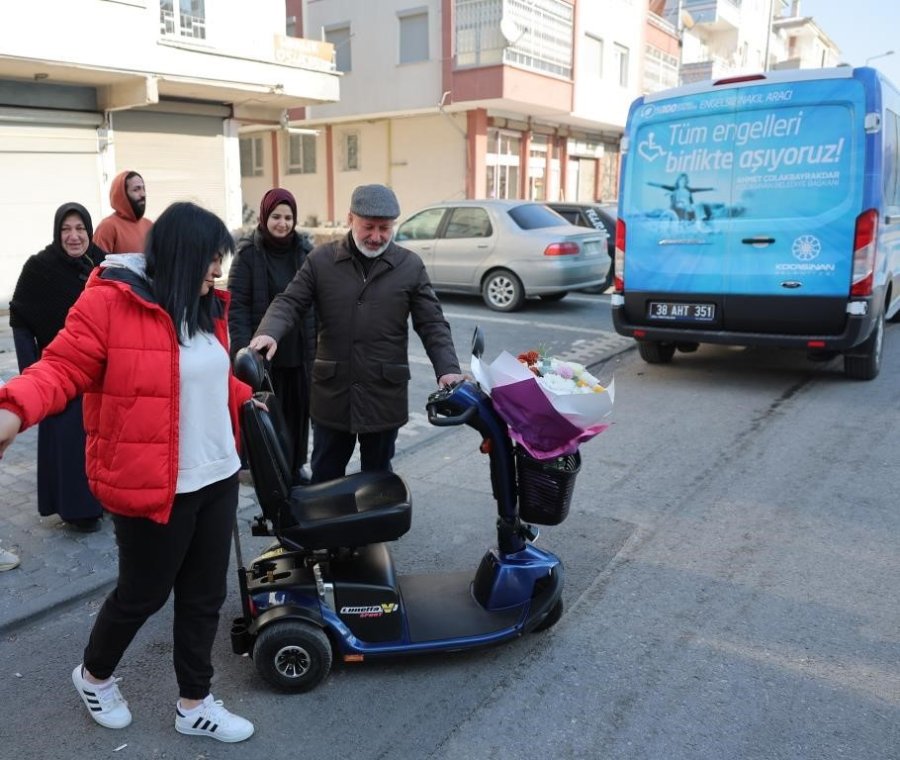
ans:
(364, 289)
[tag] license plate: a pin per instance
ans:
(686, 312)
(591, 248)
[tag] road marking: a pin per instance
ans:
(519, 321)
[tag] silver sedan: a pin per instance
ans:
(505, 250)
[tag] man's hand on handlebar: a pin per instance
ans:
(265, 344)
(449, 379)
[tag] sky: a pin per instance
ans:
(861, 29)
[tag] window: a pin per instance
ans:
(466, 222)
(891, 157)
(621, 54)
(302, 154)
(189, 20)
(593, 55)
(537, 34)
(502, 164)
(413, 36)
(533, 216)
(339, 36)
(350, 151)
(660, 70)
(423, 226)
(251, 156)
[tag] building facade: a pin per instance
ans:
(444, 99)
(91, 87)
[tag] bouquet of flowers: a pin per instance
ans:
(550, 405)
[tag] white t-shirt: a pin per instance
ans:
(206, 449)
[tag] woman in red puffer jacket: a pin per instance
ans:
(146, 343)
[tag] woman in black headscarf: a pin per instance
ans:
(49, 284)
(265, 262)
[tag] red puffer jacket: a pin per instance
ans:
(119, 349)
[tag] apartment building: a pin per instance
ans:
(89, 87)
(444, 99)
(724, 38)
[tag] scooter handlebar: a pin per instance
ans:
(451, 406)
(447, 421)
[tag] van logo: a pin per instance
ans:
(649, 149)
(806, 248)
(792, 284)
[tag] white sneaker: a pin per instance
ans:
(103, 701)
(210, 718)
(8, 560)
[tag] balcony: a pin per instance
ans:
(702, 71)
(529, 34)
(715, 15)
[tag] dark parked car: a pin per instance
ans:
(598, 216)
(506, 250)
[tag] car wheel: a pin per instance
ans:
(554, 296)
(292, 655)
(503, 291)
(866, 363)
(655, 352)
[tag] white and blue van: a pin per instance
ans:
(762, 210)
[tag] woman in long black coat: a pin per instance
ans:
(50, 282)
(265, 263)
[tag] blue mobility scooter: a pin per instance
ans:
(328, 588)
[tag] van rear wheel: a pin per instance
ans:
(865, 363)
(656, 352)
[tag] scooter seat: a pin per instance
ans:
(363, 508)
(360, 509)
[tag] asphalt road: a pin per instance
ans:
(731, 592)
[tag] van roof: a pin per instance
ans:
(753, 80)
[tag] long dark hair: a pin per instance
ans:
(180, 246)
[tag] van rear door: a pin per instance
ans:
(744, 197)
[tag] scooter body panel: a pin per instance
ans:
(377, 613)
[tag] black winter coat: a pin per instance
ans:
(249, 285)
(361, 374)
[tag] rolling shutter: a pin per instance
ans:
(46, 159)
(181, 157)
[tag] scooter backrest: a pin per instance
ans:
(269, 452)
(249, 367)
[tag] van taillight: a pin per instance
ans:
(864, 253)
(619, 263)
(739, 80)
(561, 249)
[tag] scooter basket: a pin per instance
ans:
(545, 486)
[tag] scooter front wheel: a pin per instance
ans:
(292, 655)
(556, 612)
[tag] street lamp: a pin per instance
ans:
(880, 55)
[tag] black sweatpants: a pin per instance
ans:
(188, 554)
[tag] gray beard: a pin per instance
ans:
(371, 254)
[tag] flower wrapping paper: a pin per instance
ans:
(547, 424)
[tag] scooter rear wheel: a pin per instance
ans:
(292, 655)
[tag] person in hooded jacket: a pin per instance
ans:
(264, 265)
(125, 230)
(147, 345)
(50, 282)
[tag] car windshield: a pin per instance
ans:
(533, 216)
